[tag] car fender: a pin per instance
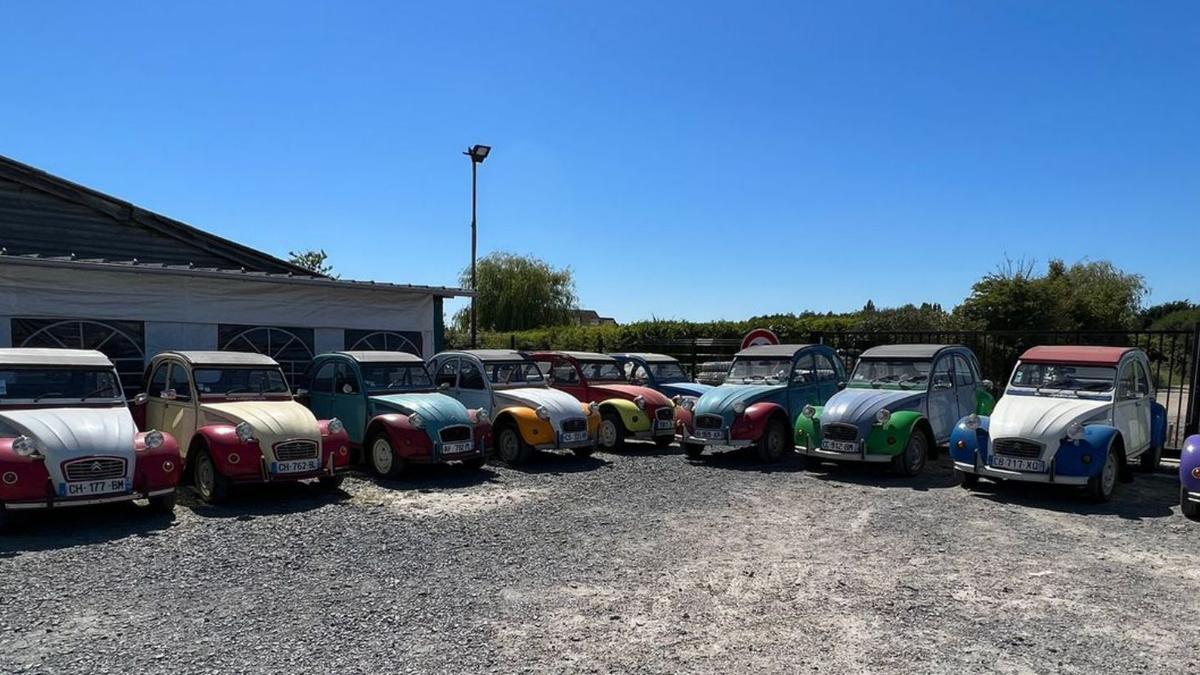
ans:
(633, 417)
(1189, 462)
(534, 430)
(751, 424)
(1097, 438)
(985, 401)
(335, 445)
(892, 438)
(808, 429)
(964, 442)
(1158, 425)
(232, 457)
(23, 478)
(156, 468)
(406, 440)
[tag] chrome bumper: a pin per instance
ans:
(725, 442)
(1006, 474)
(58, 504)
(861, 456)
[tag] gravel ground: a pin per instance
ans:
(638, 562)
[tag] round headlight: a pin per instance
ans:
(1075, 431)
(416, 421)
(677, 400)
(244, 431)
(809, 411)
(640, 402)
(542, 412)
(882, 416)
(24, 446)
(336, 426)
(689, 404)
(593, 406)
(153, 439)
(482, 416)
(972, 422)
(739, 407)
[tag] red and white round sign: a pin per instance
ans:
(758, 337)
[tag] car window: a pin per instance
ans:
(826, 372)
(158, 381)
(564, 373)
(1143, 380)
(345, 381)
(941, 373)
(805, 370)
(963, 373)
(179, 382)
(447, 374)
(323, 381)
(470, 377)
(1127, 386)
(639, 374)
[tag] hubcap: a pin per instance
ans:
(1109, 477)
(204, 477)
(916, 453)
(508, 444)
(608, 434)
(381, 454)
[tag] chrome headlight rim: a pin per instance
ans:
(416, 421)
(640, 402)
(24, 446)
(153, 439)
(542, 412)
(809, 411)
(882, 416)
(739, 407)
(593, 407)
(1076, 431)
(336, 426)
(689, 404)
(972, 422)
(482, 416)
(244, 431)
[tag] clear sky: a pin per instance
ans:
(688, 160)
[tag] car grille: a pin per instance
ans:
(709, 422)
(94, 468)
(289, 450)
(665, 413)
(839, 432)
(455, 434)
(574, 425)
(1016, 447)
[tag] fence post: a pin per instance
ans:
(1192, 425)
(512, 341)
(600, 344)
(695, 365)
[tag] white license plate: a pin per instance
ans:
(710, 434)
(840, 446)
(458, 448)
(1017, 464)
(574, 436)
(296, 466)
(664, 425)
(93, 487)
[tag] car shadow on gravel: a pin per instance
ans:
(745, 459)
(80, 526)
(248, 501)
(937, 475)
(559, 463)
(1148, 496)
(434, 476)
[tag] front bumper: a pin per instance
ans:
(1193, 497)
(861, 456)
(64, 503)
(726, 442)
(1049, 477)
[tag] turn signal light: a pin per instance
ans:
(10, 477)
(1196, 472)
(962, 445)
(234, 458)
(168, 466)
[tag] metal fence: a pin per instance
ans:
(1174, 357)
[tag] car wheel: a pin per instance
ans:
(912, 461)
(773, 442)
(163, 504)
(210, 484)
(968, 481)
(382, 458)
(693, 450)
(511, 447)
(330, 483)
(1100, 487)
(1190, 509)
(664, 441)
(1150, 459)
(612, 431)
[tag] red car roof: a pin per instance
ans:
(1078, 355)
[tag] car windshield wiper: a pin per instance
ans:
(93, 393)
(885, 378)
(1057, 384)
(45, 394)
(913, 379)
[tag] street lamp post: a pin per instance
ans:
(477, 153)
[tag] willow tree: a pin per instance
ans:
(517, 293)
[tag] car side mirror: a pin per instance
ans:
(347, 388)
(989, 385)
(943, 385)
(841, 385)
(443, 386)
(169, 395)
(300, 393)
(141, 399)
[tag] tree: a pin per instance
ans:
(518, 293)
(314, 261)
(1156, 313)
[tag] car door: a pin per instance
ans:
(1128, 407)
(803, 387)
(966, 385)
(349, 401)
(445, 378)
(942, 399)
(179, 405)
(568, 378)
(472, 389)
(829, 377)
(156, 405)
(320, 390)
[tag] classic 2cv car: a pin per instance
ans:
(393, 416)
(626, 410)
(1070, 415)
(661, 373)
(764, 392)
(67, 437)
(527, 415)
(234, 416)
(900, 404)
(1189, 477)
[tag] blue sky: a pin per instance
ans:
(687, 160)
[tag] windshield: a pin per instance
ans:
(602, 371)
(379, 377)
(240, 381)
(746, 370)
(43, 383)
(1059, 376)
(521, 373)
(899, 373)
(668, 371)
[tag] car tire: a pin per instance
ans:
(1189, 509)
(968, 481)
(163, 504)
(1101, 486)
(330, 483)
(663, 441)
(1150, 459)
(773, 443)
(382, 459)
(912, 461)
(510, 447)
(474, 464)
(693, 450)
(209, 483)
(611, 435)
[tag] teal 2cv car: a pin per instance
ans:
(391, 412)
(764, 392)
(901, 403)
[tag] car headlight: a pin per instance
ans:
(882, 416)
(739, 407)
(640, 402)
(244, 431)
(153, 439)
(972, 422)
(1075, 431)
(542, 412)
(482, 416)
(677, 400)
(689, 404)
(593, 407)
(336, 426)
(416, 421)
(24, 446)
(809, 411)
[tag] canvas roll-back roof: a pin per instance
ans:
(491, 354)
(772, 350)
(578, 356)
(649, 357)
(1081, 355)
(382, 357)
(26, 356)
(921, 351)
(226, 358)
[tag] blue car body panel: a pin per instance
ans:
(1069, 459)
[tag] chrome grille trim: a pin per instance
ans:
(573, 425)
(287, 451)
(93, 468)
(709, 422)
(455, 434)
(1017, 447)
(837, 431)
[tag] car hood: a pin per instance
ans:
(629, 392)
(437, 410)
(73, 432)
(693, 389)
(854, 406)
(560, 404)
(1042, 419)
(720, 400)
(273, 421)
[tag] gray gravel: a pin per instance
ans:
(640, 562)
